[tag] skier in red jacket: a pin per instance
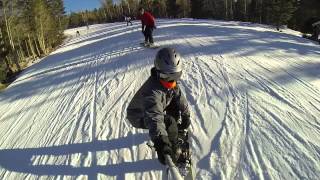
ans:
(148, 24)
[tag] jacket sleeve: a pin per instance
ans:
(154, 114)
(183, 106)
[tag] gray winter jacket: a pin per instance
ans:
(148, 106)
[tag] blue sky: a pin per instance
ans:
(80, 5)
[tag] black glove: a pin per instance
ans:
(185, 123)
(163, 146)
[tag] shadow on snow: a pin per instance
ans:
(20, 160)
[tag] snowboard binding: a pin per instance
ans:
(183, 153)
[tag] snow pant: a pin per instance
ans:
(171, 121)
(128, 23)
(172, 129)
(148, 34)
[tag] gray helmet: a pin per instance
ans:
(168, 60)
(168, 63)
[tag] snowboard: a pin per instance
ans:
(184, 156)
(150, 47)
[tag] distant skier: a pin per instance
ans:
(128, 20)
(160, 106)
(148, 24)
(77, 34)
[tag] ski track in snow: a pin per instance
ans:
(254, 95)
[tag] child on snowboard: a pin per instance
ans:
(148, 24)
(160, 106)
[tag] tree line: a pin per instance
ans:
(297, 14)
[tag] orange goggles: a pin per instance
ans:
(168, 85)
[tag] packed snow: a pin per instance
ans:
(254, 94)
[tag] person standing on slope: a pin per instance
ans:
(148, 24)
(128, 20)
(160, 106)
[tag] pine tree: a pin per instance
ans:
(30, 28)
(146, 4)
(196, 8)
(307, 13)
(12, 27)
(133, 6)
(109, 9)
(172, 8)
(4, 51)
(57, 10)
(45, 28)
(255, 11)
(75, 20)
(184, 8)
(280, 12)
(241, 9)
(159, 8)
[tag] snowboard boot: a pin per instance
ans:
(183, 152)
(151, 45)
(146, 44)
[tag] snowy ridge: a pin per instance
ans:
(254, 95)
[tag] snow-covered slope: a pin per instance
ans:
(254, 95)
